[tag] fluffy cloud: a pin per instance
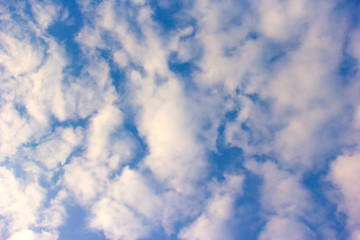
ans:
(31, 92)
(286, 202)
(285, 228)
(175, 155)
(45, 12)
(125, 198)
(213, 223)
(156, 117)
(55, 150)
(21, 207)
(344, 174)
(282, 192)
(19, 56)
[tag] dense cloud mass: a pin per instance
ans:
(194, 120)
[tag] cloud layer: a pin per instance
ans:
(180, 119)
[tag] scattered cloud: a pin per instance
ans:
(162, 120)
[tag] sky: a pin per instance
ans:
(180, 119)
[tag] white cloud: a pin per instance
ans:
(46, 94)
(285, 201)
(282, 192)
(130, 197)
(15, 130)
(107, 149)
(58, 147)
(158, 95)
(106, 218)
(306, 88)
(345, 174)
(213, 223)
(169, 121)
(88, 36)
(31, 80)
(121, 58)
(297, 95)
(31, 235)
(175, 155)
(103, 124)
(84, 181)
(283, 19)
(45, 12)
(19, 56)
(353, 47)
(280, 228)
(107, 15)
(20, 202)
(131, 188)
(140, 2)
(55, 215)
(284, 109)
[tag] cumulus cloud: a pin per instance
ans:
(30, 64)
(14, 130)
(125, 198)
(21, 207)
(16, 199)
(19, 56)
(45, 12)
(166, 119)
(345, 174)
(175, 155)
(55, 151)
(213, 223)
(285, 228)
(286, 202)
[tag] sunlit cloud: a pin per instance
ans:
(179, 119)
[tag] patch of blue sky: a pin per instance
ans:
(252, 35)
(74, 122)
(117, 74)
(160, 234)
(17, 166)
(51, 186)
(351, 9)
(171, 15)
(348, 67)
(140, 144)
(188, 69)
(248, 221)
(225, 158)
(331, 131)
(13, 7)
(185, 71)
(65, 30)
(315, 182)
(275, 52)
(264, 104)
(21, 109)
(76, 226)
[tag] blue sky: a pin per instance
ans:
(194, 120)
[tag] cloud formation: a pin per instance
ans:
(179, 119)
